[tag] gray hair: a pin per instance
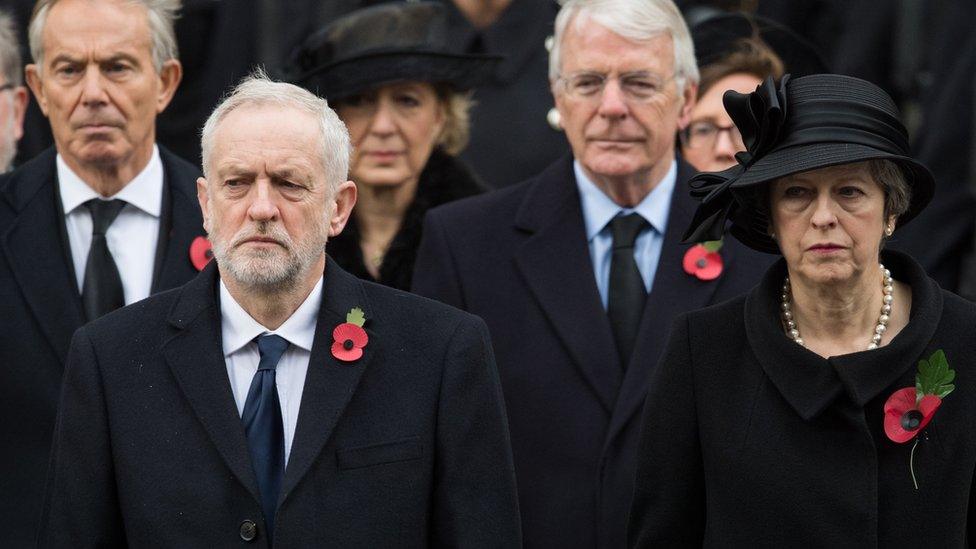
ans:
(898, 195)
(258, 89)
(10, 62)
(161, 15)
(637, 20)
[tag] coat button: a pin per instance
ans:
(249, 530)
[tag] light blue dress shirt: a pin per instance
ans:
(599, 209)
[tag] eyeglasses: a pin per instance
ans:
(639, 86)
(704, 135)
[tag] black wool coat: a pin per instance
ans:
(750, 440)
(405, 447)
(40, 308)
(518, 258)
(444, 179)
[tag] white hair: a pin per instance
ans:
(161, 15)
(637, 20)
(9, 51)
(258, 89)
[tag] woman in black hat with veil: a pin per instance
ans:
(833, 405)
(390, 75)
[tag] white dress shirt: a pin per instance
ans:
(599, 210)
(239, 329)
(133, 235)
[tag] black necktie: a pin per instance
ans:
(263, 427)
(101, 291)
(625, 303)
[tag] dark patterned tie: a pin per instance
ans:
(263, 427)
(101, 290)
(627, 294)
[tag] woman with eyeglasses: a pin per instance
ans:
(710, 140)
(736, 52)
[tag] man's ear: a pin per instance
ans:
(344, 200)
(689, 97)
(36, 84)
(203, 197)
(21, 98)
(169, 79)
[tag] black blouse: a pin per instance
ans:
(443, 180)
(751, 439)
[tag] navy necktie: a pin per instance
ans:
(263, 426)
(101, 291)
(627, 293)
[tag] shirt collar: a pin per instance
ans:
(238, 328)
(599, 209)
(145, 191)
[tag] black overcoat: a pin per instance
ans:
(518, 257)
(40, 308)
(405, 447)
(750, 440)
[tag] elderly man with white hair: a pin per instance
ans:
(579, 271)
(102, 219)
(277, 399)
(13, 102)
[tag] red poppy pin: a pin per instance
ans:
(907, 411)
(349, 338)
(703, 260)
(201, 252)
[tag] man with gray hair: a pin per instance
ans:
(102, 219)
(276, 398)
(13, 104)
(579, 271)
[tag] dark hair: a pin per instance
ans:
(749, 55)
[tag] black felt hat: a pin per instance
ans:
(383, 44)
(803, 124)
(717, 36)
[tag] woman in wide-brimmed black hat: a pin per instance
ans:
(833, 405)
(388, 72)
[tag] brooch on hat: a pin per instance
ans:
(703, 260)
(201, 252)
(349, 338)
(907, 411)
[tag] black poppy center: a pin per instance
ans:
(910, 420)
(701, 263)
(348, 344)
(208, 254)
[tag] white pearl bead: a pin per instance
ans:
(880, 328)
(872, 346)
(876, 338)
(888, 289)
(888, 299)
(883, 319)
(787, 314)
(794, 333)
(790, 324)
(799, 341)
(886, 309)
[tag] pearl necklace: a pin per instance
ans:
(888, 290)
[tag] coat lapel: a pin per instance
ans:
(180, 223)
(555, 262)
(36, 254)
(674, 292)
(196, 358)
(329, 384)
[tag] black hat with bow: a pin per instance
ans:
(802, 124)
(382, 44)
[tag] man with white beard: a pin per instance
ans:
(13, 94)
(276, 398)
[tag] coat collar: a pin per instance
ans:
(195, 356)
(555, 262)
(36, 251)
(811, 383)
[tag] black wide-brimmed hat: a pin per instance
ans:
(382, 44)
(719, 35)
(802, 124)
